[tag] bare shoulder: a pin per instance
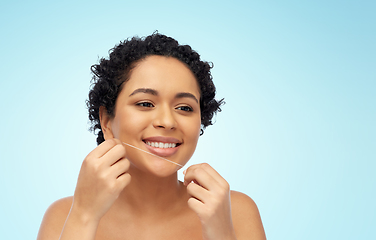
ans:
(246, 217)
(54, 219)
(243, 202)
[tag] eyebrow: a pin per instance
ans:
(186, 95)
(145, 90)
(155, 93)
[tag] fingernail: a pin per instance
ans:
(184, 171)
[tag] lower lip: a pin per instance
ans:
(162, 152)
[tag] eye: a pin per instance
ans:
(145, 104)
(185, 108)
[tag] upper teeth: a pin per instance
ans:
(161, 144)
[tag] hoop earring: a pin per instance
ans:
(201, 132)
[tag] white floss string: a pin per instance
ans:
(153, 154)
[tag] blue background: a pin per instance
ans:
(297, 133)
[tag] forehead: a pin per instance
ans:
(162, 73)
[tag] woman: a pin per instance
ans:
(149, 103)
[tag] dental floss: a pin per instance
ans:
(153, 154)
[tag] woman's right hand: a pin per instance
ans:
(102, 177)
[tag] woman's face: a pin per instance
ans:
(158, 110)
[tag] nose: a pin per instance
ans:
(164, 118)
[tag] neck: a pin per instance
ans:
(150, 193)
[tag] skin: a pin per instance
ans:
(123, 193)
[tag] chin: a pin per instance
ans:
(163, 170)
(157, 167)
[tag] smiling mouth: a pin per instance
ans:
(161, 144)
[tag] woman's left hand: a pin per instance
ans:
(210, 199)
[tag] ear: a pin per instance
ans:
(105, 121)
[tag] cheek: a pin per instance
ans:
(126, 127)
(193, 129)
(192, 134)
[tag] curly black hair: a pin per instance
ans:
(110, 74)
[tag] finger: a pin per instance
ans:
(114, 155)
(123, 180)
(213, 173)
(197, 192)
(201, 176)
(103, 148)
(196, 205)
(210, 170)
(120, 167)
